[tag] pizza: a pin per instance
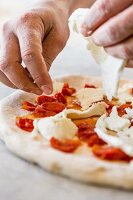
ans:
(76, 132)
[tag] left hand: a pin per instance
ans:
(35, 37)
(110, 23)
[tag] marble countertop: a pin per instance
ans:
(20, 180)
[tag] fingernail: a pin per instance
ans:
(39, 92)
(100, 39)
(46, 89)
(85, 32)
(36, 91)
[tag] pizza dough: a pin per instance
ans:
(81, 165)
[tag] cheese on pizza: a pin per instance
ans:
(70, 120)
(125, 93)
(57, 127)
(117, 130)
(88, 96)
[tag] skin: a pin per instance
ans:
(35, 37)
(38, 35)
(111, 27)
(29, 38)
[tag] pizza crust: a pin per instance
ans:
(80, 166)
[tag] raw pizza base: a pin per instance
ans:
(81, 165)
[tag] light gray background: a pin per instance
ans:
(20, 180)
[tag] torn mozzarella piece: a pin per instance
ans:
(58, 127)
(88, 96)
(127, 135)
(129, 112)
(123, 135)
(96, 109)
(111, 67)
(125, 94)
(118, 140)
(116, 123)
(111, 70)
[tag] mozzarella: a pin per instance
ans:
(123, 135)
(124, 93)
(129, 112)
(111, 67)
(88, 96)
(96, 109)
(58, 127)
(126, 145)
(116, 123)
(111, 70)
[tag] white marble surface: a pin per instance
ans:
(20, 180)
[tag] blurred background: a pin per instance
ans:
(74, 59)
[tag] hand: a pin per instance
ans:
(110, 22)
(36, 37)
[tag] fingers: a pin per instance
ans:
(6, 81)
(116, 29)
(101, 11)
(130, 64)
(122, 50)
(31, 52)
(10, 64)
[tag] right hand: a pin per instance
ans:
(36, 38)
(110, 24)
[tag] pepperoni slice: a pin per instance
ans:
(60, 98)
(131, 123)
(25, 124)
(121, 109)
(85, 132)
(83, 126)
(68, 91)
(132, 91)
(95, 140)
(66, 85)
(44, 99)
(41, 112)
(28, 106)
(67, 146)
(109, 106)
(53, 106)
(87, 85)
(110, 153)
